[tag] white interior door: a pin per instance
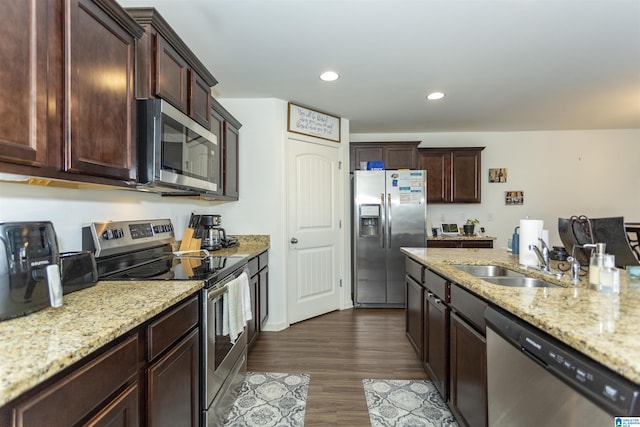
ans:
(314, 229)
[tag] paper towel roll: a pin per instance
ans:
(530, 231)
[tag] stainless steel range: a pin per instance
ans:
(142, 250)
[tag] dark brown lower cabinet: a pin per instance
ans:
(150, 377)
(259, 291)
(414, 314)
(436, 342)
(173, 386)
(468, 373)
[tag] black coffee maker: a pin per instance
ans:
(212, 236)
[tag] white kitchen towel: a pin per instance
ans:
(247, 313)
(235, 304)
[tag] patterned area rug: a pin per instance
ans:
(406, 403)
(268, 399)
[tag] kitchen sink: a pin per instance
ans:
(488, 271)
(520, 282)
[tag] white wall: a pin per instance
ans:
(562, 173)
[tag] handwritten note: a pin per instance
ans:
(314, 123)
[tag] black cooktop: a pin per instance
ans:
(160, 264)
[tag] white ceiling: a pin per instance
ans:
(505, 65)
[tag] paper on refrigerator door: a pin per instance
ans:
(410, 187)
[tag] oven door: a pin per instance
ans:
(224, 363)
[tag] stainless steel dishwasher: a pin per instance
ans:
(535, 380)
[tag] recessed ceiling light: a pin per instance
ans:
(435, 95)
(329, 76)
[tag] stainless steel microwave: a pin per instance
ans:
(175, 154)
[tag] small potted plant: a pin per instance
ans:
(469, 226)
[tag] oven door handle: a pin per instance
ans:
(216, 292)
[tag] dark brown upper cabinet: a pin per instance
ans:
(227, 129)
(395, 155)
(100, 117)
(67, 93)
(168, 69)
(453, 174)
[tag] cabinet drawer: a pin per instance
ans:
(437, 285)
(414, 270)
(71, 399)
(263, 259)
(162, 333)
(469, 306)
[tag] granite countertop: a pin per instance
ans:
(603, 327)
(41, 344)
(37, 346)
(248, 245)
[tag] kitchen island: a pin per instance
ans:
(603, 327)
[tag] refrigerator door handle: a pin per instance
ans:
(389, 219)
(382, 221)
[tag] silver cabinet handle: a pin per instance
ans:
(294, 240)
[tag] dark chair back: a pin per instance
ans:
(582, 230)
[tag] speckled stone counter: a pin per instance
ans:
(604, 327)
(249, 246)
(41, 344)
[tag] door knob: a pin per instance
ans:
(294, 240)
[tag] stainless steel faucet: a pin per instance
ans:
(543, 256)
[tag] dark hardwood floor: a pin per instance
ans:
(339, 350)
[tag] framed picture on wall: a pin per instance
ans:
(514, 197)
(498, 175)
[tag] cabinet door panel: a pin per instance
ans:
(199, 99)
(468, 374)
(437, 343)
(437, 166)
(173, 386)
(101, 111)
(252, 325)
(122, 412)
(466, 176)
(230, 171)
(414, 303)
(172, 75)
(263, 296)
(400, 158)
(23, 84)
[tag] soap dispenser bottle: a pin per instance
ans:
(515, 241)
(596, 263)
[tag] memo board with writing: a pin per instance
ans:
(310, 122)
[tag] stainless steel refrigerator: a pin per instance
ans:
(389, 211)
